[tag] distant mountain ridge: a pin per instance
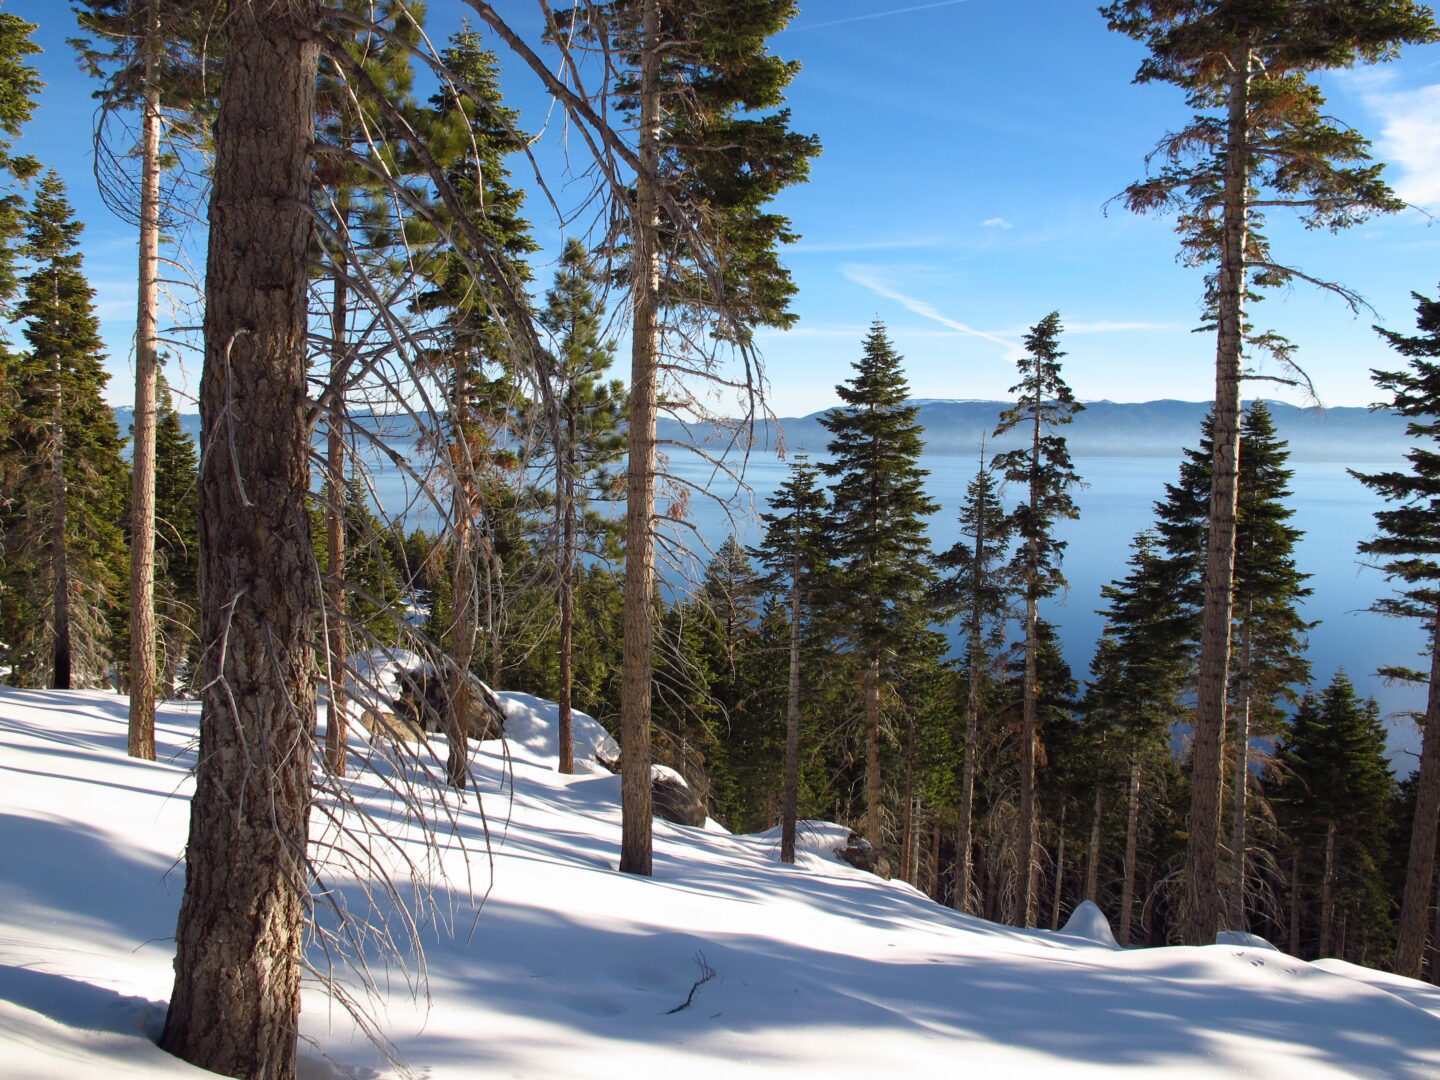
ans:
(1104, 429)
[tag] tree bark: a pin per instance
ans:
(61, 659)
(1327, 893)
(1410, 944)
(236, 1001)
(1239, 807)
(639, 628)
(874, 793)
(1059, 876)
(336, 494)
(790, 795)
(142, 465)
(1092, 855)
(464, 601)
(1029, 732)
(1294, 931)
(565, 511)
(964, 833)
(1200, 911)
(1132, 843)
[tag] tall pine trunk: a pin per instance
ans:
(1055, 900)
(1410, 944)
(1200, 912)
(236, 1002)
(790, 794)
(874, 792)
(565, 512)
(1092, 854)
(464, 600)
(1132, 843)
(335, 491)
(1240, 804)
(964, 833)
(1327, 893)
(62, 655)
(142, 465)
(1294, 931)
(1029, 731)
(639, 628)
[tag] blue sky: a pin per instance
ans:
(970, 148)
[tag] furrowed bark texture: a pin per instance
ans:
(639, 630)
(236, 1000)
(463, 592)
(1092, 853)
(964, 831)
(1200, 911)
(1240, 805)
(143, 676)
(565, 510)
(874, 793)
(1410, 944)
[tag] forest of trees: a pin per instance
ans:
(370, 265)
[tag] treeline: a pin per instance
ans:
(369, 250)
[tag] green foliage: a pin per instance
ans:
(60, 419)
(177, 535)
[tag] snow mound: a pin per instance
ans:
(532, 729)
(816, 841)
(1088, 922)
(1242, 940)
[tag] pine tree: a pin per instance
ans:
(19, 86)
(1334, 798)
(177, 539)
(1044, 468)
(979, 588)
(1259, 139)
(796, 554)
(583, 427)
(472, 133)
(64, 548)
(147, 56)
(877, 529)
(713, 148)
(240, 934)
(1407, 551)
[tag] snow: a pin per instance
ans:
(1088, 923)
(572, 969)
(1244, 939)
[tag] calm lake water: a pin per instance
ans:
(1333, 510)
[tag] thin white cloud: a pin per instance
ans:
(839, 246)
(879, 14)
(1103, 326)
(997, 223)
(863, 277)
(1409, 136)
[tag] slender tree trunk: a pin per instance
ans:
(142, 464)
(1410, 945)
(1200, 913)
(639, 627)
(1295, 901)
(907, 831)
(790, 796)
(565, 511)
(1029, 733)
(1092, 854)
(464, 601)
(964, 833)
(236, 1002)
(874, 793)
(1059, 876)
(1132, 843)
(335, 665)
(1239, 809)
(1327, 894)
(59, 548)
(1434, 951)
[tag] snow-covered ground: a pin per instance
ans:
(571, 969)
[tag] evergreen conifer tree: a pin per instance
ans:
(177, 540)
(1259, 139)
(795, 553)
(583, 426)
(1044, 468)
(64, 545)
(1407, 551)
(877, 529)
(979, 588)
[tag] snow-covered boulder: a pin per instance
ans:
(1241, 939)
(674, 800)
(1088, 922)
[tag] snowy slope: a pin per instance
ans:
(571, 969)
